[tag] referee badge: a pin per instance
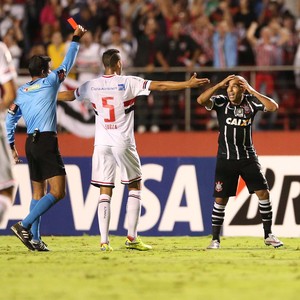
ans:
(239, 112)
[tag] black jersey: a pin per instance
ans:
(235, 126)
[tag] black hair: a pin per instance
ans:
(38, 64)
(110, 58)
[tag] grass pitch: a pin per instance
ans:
(177, 268)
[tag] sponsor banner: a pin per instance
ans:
(176, 192)
(176, 200)
(242, 213)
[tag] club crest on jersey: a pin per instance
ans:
(239, 112)
(219, 186)
(121, 87)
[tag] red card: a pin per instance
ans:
(72, 23)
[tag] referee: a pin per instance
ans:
(236, 153)
(36, 102)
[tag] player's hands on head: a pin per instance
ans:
(225, 81)
(245, 84)
(80, 31)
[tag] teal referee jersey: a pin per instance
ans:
(36, 100)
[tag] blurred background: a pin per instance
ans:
(166, 40)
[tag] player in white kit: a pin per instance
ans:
(113, 98)
(7, 84)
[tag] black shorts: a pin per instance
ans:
(227, 175)
(44, 159)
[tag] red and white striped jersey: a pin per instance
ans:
(266, 54)
(113, 99)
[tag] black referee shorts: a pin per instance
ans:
(44, 159)
(227, 175)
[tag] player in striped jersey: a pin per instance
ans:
(236, 153)
(113, 97)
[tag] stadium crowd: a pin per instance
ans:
(155, 36)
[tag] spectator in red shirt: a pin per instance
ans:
(50, 13)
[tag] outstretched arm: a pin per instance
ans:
(66, 96)
(177, 85)
(71, 55)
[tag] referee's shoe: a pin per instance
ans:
(40, 246)
(23, 234)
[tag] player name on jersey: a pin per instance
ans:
(111, 126)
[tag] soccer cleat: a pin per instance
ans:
(272, 240)
(214, 244)
(40, 246)
(106, 247)
(137, 244)
(23, 234)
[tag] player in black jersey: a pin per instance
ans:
(236, 153)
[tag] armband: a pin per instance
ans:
(61, 75)
(76, 38)
(13, 109)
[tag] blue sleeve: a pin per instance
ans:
(12, 119)
(58, 75)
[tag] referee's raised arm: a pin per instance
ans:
(63, 70)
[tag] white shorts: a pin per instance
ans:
(6, 173)
(107, 158)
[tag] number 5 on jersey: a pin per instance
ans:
(110, 107)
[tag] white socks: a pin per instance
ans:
(133, 212)
(104, 217)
